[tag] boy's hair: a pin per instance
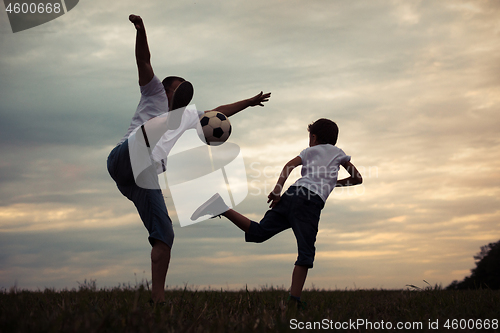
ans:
(325, 130)
(167, 82)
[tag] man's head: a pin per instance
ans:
(170, 83)
(325, 130)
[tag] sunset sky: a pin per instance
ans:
(414, 87)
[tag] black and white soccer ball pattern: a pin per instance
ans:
(216, 127)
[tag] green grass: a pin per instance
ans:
(126, 309)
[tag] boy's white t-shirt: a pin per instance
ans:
(154, 103)
(320, 166)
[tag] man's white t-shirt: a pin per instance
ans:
(320, 166)
(154, 103)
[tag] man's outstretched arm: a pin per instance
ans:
(231, 109)
(142, 55)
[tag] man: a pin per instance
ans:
(151, 118)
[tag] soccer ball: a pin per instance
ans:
(216, 127)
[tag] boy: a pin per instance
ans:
(300, 206)
(157, 98)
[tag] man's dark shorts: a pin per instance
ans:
(298, 209)
(149, 203)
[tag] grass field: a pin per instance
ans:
(127, 310)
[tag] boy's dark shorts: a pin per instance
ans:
(149, 203)
(298, 209)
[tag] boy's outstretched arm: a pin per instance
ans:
(354, 178)
(231, 109)
(142, 55)
(275, 196)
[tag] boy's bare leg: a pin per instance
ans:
(298, 279)
(160, 259)
(239, 220)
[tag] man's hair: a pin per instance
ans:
(167, 82)
(325, 130)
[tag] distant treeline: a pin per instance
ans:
(486, 275)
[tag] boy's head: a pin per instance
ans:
(326, 131)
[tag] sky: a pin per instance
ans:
(414, 87)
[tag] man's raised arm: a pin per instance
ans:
(142, 55)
